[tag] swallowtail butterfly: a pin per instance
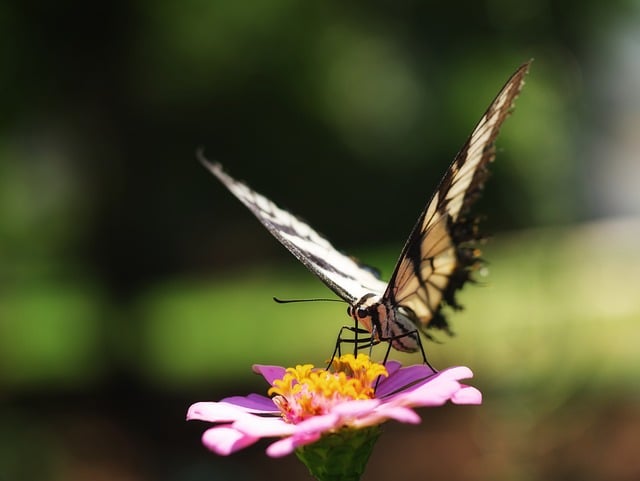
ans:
(437, 259)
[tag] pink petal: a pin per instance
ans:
(406, 378)
(355, 408)
(288, 445)
(383, 413)
(281, 448)
(433, 390)
(224, 440)
(264, 426)
(392, 367)
(467, 395)
(317, 424)
(366, 421)
(399, 413)
(456, 373)
(215, 412)
(253, 403)
(270, 373)
(434, 393)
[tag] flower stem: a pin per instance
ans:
(340, 456)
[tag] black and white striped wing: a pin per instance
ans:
(339, 272)
(437, 259)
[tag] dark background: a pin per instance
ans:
(132, 284)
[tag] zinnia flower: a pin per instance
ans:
(327, 408)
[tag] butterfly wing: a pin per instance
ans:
(437, 259)
(339, 272)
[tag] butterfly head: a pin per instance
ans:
(358, 313)
(367, 312)
(385, 322)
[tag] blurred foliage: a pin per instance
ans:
(131, 283)
(541, 304)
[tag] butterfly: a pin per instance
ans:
(437, 259)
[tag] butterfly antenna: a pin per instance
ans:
(289, 301)
(200, 155)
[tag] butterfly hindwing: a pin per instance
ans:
(437, 258)
(339, 272)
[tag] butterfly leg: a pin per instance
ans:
(424, 356)
(374, 335)
(386, 357)
(386, 354)
(359, 343)
(367, 342)
(416, 335)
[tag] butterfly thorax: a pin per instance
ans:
(386, 322)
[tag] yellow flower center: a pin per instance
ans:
(305, 391)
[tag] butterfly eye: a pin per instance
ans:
(361, 312)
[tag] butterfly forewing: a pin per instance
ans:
(436, 259)
(339, 272)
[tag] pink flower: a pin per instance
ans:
(309, 403)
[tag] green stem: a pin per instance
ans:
(340, 456)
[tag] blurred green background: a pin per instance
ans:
(132, 283)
